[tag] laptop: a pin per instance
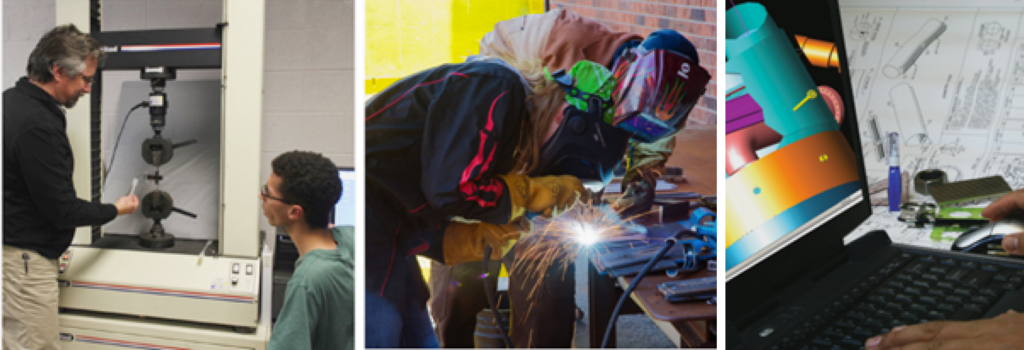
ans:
(791, 282)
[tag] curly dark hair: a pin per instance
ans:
(311, 181)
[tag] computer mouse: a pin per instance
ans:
(976, 240)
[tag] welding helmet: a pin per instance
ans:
(655, 91)
(584, 145)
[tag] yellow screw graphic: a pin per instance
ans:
(810, 94)
(823, 158)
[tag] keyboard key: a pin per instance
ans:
(937, 315)
(878, 299)
(856, 315)
(946, 285)
(975, 307)
(897, 284)
(905, 277)
(970, 265)
(983, 300)
(958, 274)
(886, 291)
(979, 278)
(964, 315)
(917, 268)
(918, 308)
(946, 307)
(873, 322)
(990, 292)
(955, 299)
(940, 293)
(910, 317)
(928, 300)
(963, 291)
(990, 267)
(904, 298)
(948, 261)
(894, 307)
(1011, 286)
(928, 259)
(912, 291)
(928, 277)
(845, 323)
(885, 315)
(867, 307)
(834, 331)
(942, 270)
(863, 332)
(822, 341)
(1002, 276)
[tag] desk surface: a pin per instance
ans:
(653, 302)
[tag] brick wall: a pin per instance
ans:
(696, 19)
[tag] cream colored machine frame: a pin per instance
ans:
(116, 299)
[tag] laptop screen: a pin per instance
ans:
(791, 166)
(345, 210)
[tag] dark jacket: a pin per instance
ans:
(41, 209)
(436, 142)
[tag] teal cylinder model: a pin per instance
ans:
(774, 75)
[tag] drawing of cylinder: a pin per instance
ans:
(774, 75)
(908, 115)
(819, 52)
(912, 49)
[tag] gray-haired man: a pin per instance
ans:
(41, 208)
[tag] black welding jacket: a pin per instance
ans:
(435, 143)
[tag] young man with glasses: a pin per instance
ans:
(318, 303)
(41, 208)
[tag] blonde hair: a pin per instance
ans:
(544, 104)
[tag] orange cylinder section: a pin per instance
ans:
(820, 53)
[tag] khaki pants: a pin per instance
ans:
(30, 300)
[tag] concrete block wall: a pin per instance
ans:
(25, 21)
(696, 19)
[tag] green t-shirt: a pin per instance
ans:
(318, 304)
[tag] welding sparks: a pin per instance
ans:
(559, 241)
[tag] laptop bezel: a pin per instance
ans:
(751, 292)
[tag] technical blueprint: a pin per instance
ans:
(949, 78)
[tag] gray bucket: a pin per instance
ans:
(487, 334)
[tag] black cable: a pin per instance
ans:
(671, 241)
(492, 302)
(118, 140)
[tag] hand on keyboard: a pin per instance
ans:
(1010, 205)
(1005, 331)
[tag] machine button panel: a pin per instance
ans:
(235, 268)
(248, 269)
(64, 261)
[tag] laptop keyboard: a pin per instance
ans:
(910, 289)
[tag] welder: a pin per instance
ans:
(457, 155)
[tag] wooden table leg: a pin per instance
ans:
(602, 297)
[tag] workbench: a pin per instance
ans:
(686, 324)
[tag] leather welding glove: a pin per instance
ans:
(637, 192)
(465, 242)
(545, 195)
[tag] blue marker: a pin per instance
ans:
(895, 180)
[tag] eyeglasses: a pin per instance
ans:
(265, 194)
(88, 79)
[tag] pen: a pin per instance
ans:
(895, 180)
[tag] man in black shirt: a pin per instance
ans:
(41, 208)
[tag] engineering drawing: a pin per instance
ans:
(912, 49)
(908, 115)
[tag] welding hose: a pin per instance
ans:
(492, 302)
(671, 241)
